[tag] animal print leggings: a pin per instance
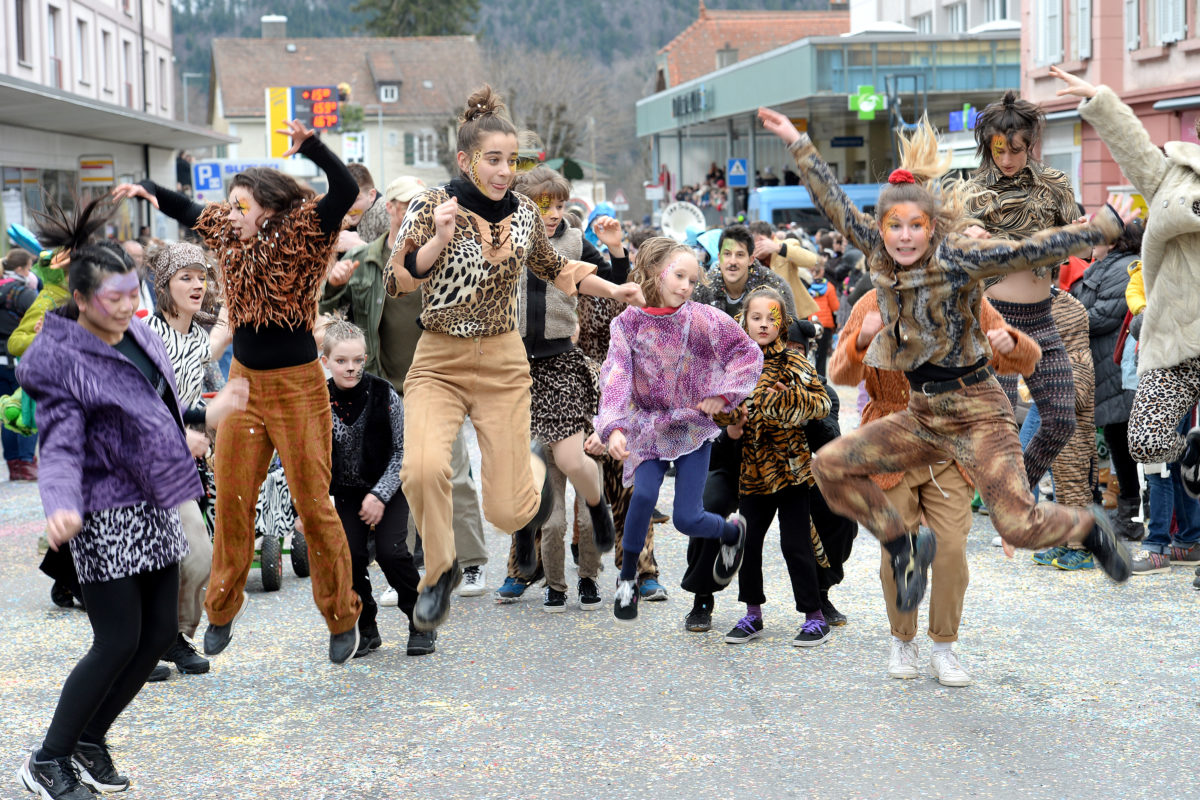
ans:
(1163, 397)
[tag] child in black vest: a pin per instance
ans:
(368, 446)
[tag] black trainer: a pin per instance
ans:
(185, 658)
(911, 556)
(1189, 463)
(217, 637)
(160, 673)
(832, 615)
(53, 780)
(604, 534)
(96, 770)
(1106, 549)
(342, 646)
(367, 641)
(524, 548)
(422, 643)
(729, 559)
(555, 601)
(60, 595)
(625, 603)
(589, 594)
(433, 603)
(659, 518)
(699, 619)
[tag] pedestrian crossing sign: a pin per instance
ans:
(735, 172)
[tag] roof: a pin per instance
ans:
(435, 73)
(694, 51)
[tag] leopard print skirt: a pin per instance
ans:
(566, 391)
(120, 542)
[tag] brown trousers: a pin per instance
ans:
(486, 378)
(975, 427)
(943, 496)
(288, 412)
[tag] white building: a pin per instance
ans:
(933, 16)
(87, 88)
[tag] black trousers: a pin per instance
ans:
(1117, 436)
(791, 504)
(824, 344)
(391, 553)
(837, 536)
(134, 621)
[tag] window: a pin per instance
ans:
(1081, 28)
(1133, 20)
(127, 71)
(83, 50)
(54, 47)
(923, 23)
(956, 18)
(106, 47)
(726, 56)
(1169, 22)
(995, 10)
(393, 139)
(389, 93)
(1048, 36)
(420, 149)
(23, 31)
(163, 82)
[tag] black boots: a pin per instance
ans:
(604, 533)
(911, 556)
(433, 603)
(523, 539)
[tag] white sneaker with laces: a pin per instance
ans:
(389, 598)
(474, 582)
(945, 667)
(997, 541)
(903, 661)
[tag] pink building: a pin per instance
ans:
(1147, 51)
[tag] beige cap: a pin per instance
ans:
(404, 189)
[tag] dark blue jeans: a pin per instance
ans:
(16, 447)
(688, 516)
(1167, 499)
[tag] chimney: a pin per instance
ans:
(274, 26)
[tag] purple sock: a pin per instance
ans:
(809, 616)
(754, 611)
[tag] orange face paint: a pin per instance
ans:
(999, 145)
(776, 315)
(543, 203)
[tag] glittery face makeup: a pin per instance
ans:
(907, 231)
(543, 203)
(492, 166)
(246, 216)
(1012, 157)
(115, 299)
(763, 320)
(476, 157)
(678, 279)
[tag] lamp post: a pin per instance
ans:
(186, 98)
(381, 179)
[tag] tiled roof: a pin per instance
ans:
(694, 51)
(435, 73)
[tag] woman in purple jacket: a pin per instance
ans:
(116, 464)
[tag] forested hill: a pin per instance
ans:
(596, 30)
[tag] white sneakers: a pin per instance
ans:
(945, 667)
(389, 598)
(903, 661)
(474, 582)
(943, 664)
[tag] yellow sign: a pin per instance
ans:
(96, 171)
(801, 124)
(279, 113)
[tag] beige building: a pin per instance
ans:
(410, 89)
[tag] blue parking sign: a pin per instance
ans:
(206, 177)
(735, 173)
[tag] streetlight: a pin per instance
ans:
(186, 76)
(379, 117)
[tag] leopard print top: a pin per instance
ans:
(472, 288)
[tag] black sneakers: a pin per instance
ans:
(367, 641)
(625, 603)
(160, 673)
(699, 619)
(589, 594)
(96, 769)
(217, 637)
(911, 556)
(832, 615)
(344, 645)
(729, 559)
(422, 643)
(53, 780)
(185, 658)
(433, 603)
(555, 601)
(604, 534)
(1189, 463)
(1106, 549)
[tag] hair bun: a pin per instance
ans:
(1010, 99)
(901, 176)
(483, 102)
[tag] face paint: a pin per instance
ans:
(475, 159)
(893, 219)
(241, 205)
(119, 284)
(543, 203)
(999, 145)
(776, 315)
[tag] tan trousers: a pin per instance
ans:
(194, 569)
(486, 378)
(942, 494)
(468, 524)
(288, 411)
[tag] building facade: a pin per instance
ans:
(933, 16)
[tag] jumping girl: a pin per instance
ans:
(928, 276)
(670, 368)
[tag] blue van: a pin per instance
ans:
(784, 205)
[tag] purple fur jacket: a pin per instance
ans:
(107, 439)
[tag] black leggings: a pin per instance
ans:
(391, 553)
(134, 621)
(1116, 434)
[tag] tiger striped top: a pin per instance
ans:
(1035, 199)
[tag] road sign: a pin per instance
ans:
(846, 141)
(866, 102)
(354, 147)
(735, 173)
(620, 202)
(654, 191)
(211, 176)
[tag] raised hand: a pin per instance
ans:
(608, 231)
(779, 125)
(133, 191)
(340, 272)
(445, 217)
(299, 134)
(1076, 85)
(766, 247)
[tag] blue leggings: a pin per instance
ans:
(688, 516)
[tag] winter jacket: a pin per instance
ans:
(107, 439)
(1170, 182)
(364, 294)
(792, 263)
(826, 296)
(1102, 292)
(51, 297)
